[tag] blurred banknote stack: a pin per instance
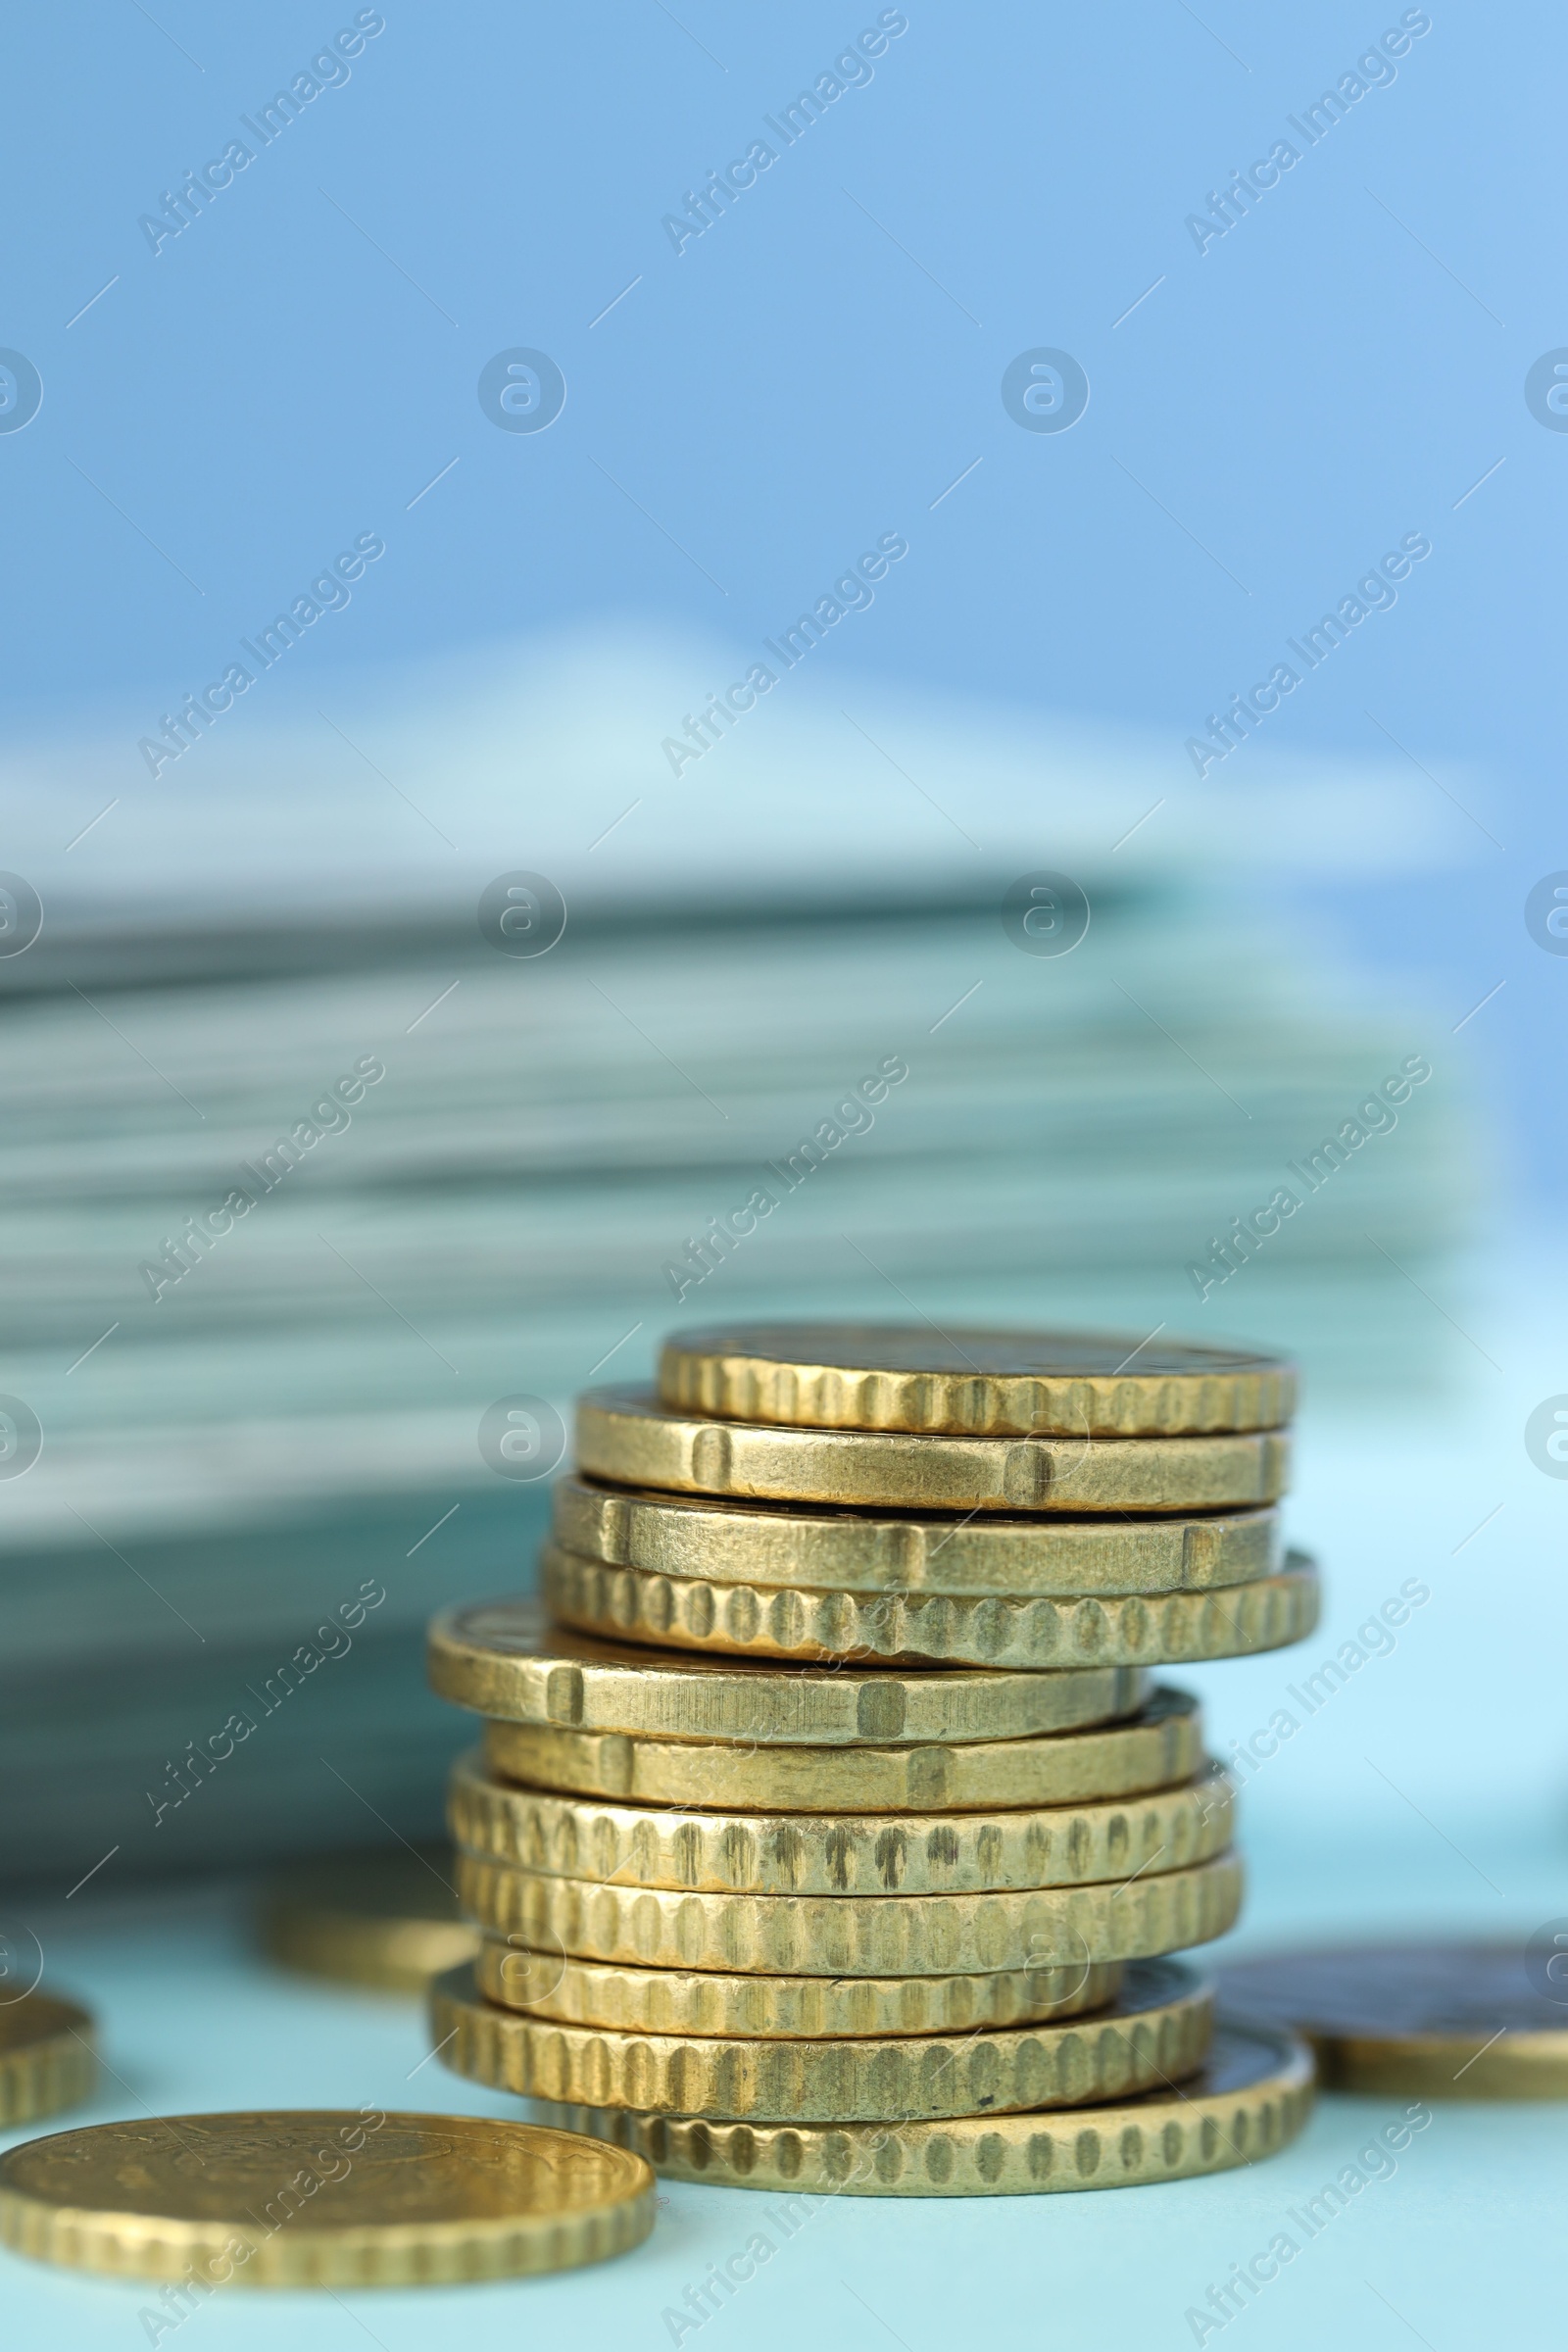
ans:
(312, 1162)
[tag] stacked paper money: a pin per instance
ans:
(300, 1186)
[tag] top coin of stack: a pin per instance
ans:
(841, 1744)
(996, 1383)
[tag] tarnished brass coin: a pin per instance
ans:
(936, 1628)
(675, 2000)
(625, 1435)
(851, 1934)
(1429, 2021)
(1247, 2101)
(321, 2200)
(1161, 1745)
(1158, 2032)
(47, 2060)
(387, 1920)
(827, 1853)
(979, 1383)
(504, 1659)
(841, 1551)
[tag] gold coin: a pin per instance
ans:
(852, 1934)
(974, 1383)
(384, 1920)
(625, 1435)
(1158, 2032)
(47, 2059)
(504, 1659)
(827, 1853)
(1428, 2021)
(1161, 1745)
(405, 2200)
(1249, 2100)
(670, 2000)
(761, 1621)
(850, 1551)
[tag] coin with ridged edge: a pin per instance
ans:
(827, 1853)
(388, 1921)
(1249, 2100)
(625, 1435)
(504, 1659)
(47, 2060)
(327, 2199)
(1158, 1746)
(1158, 2032)
(1431, 2020)
(981, 1383)
(853, 1552)
(668, 2000)
(854, 1936)
(937, 1629)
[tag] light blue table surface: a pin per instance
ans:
(1430, 1794)
(1461, 2245)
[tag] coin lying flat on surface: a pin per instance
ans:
(321, 2200)
(1158, 1746)
(672, 2000)
(1249, 2100)
(1433, 2021)
(980, 1381)
(504, 1659)
(838, 1549)
(389, 1921)
(1158, 2032)
(47, 2060)
(827, 1853)
(625, 1435)
(854, 1936)
(761, 1621)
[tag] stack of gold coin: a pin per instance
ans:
(827, 1830)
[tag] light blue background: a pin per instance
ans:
(1274, 415)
